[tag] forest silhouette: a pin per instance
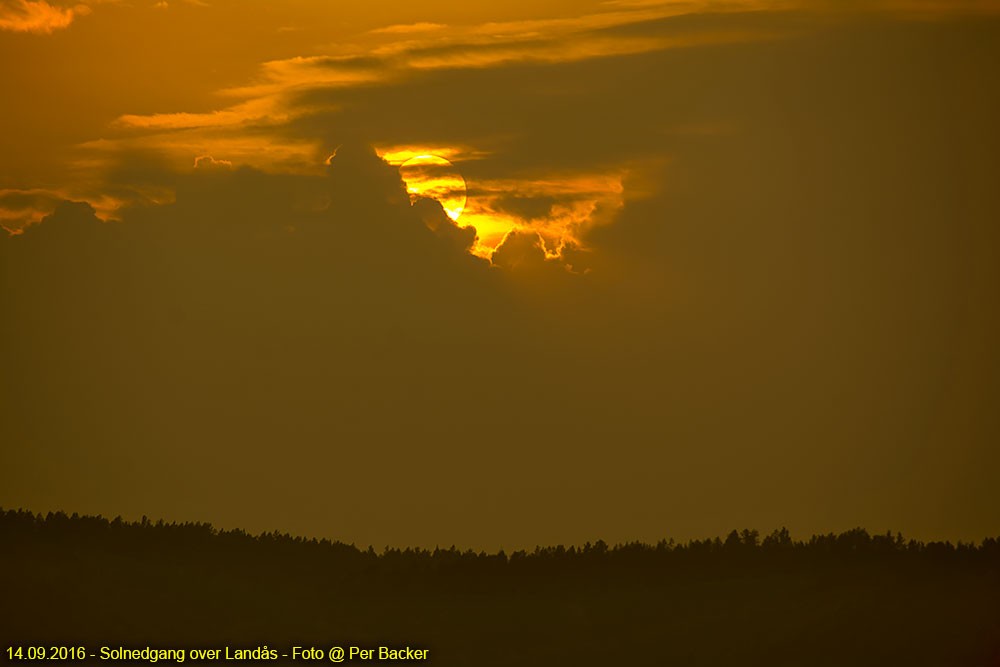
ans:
(852, 598)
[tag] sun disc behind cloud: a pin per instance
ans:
(434, 177)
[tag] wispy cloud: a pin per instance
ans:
(261, 125)
(20, 208)
(37, 16)
(560, 206)
(258, 110)
(408, 28)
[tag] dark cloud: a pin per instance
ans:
(522, 251)
(189, 343)
(19, 208)
(790, 322)
(16, 200)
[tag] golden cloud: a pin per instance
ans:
(408, 28)
(37, 16)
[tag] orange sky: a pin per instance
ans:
(175, 81)
(717, 264)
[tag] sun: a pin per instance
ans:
(434, 177)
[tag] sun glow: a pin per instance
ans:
(397, 155)
(434, 177)
(558, 206)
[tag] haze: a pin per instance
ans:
(720, 265)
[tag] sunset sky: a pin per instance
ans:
(503, 273)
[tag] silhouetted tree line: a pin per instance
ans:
(21, 529)
(849, 598)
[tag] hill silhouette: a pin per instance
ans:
(853, 598)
